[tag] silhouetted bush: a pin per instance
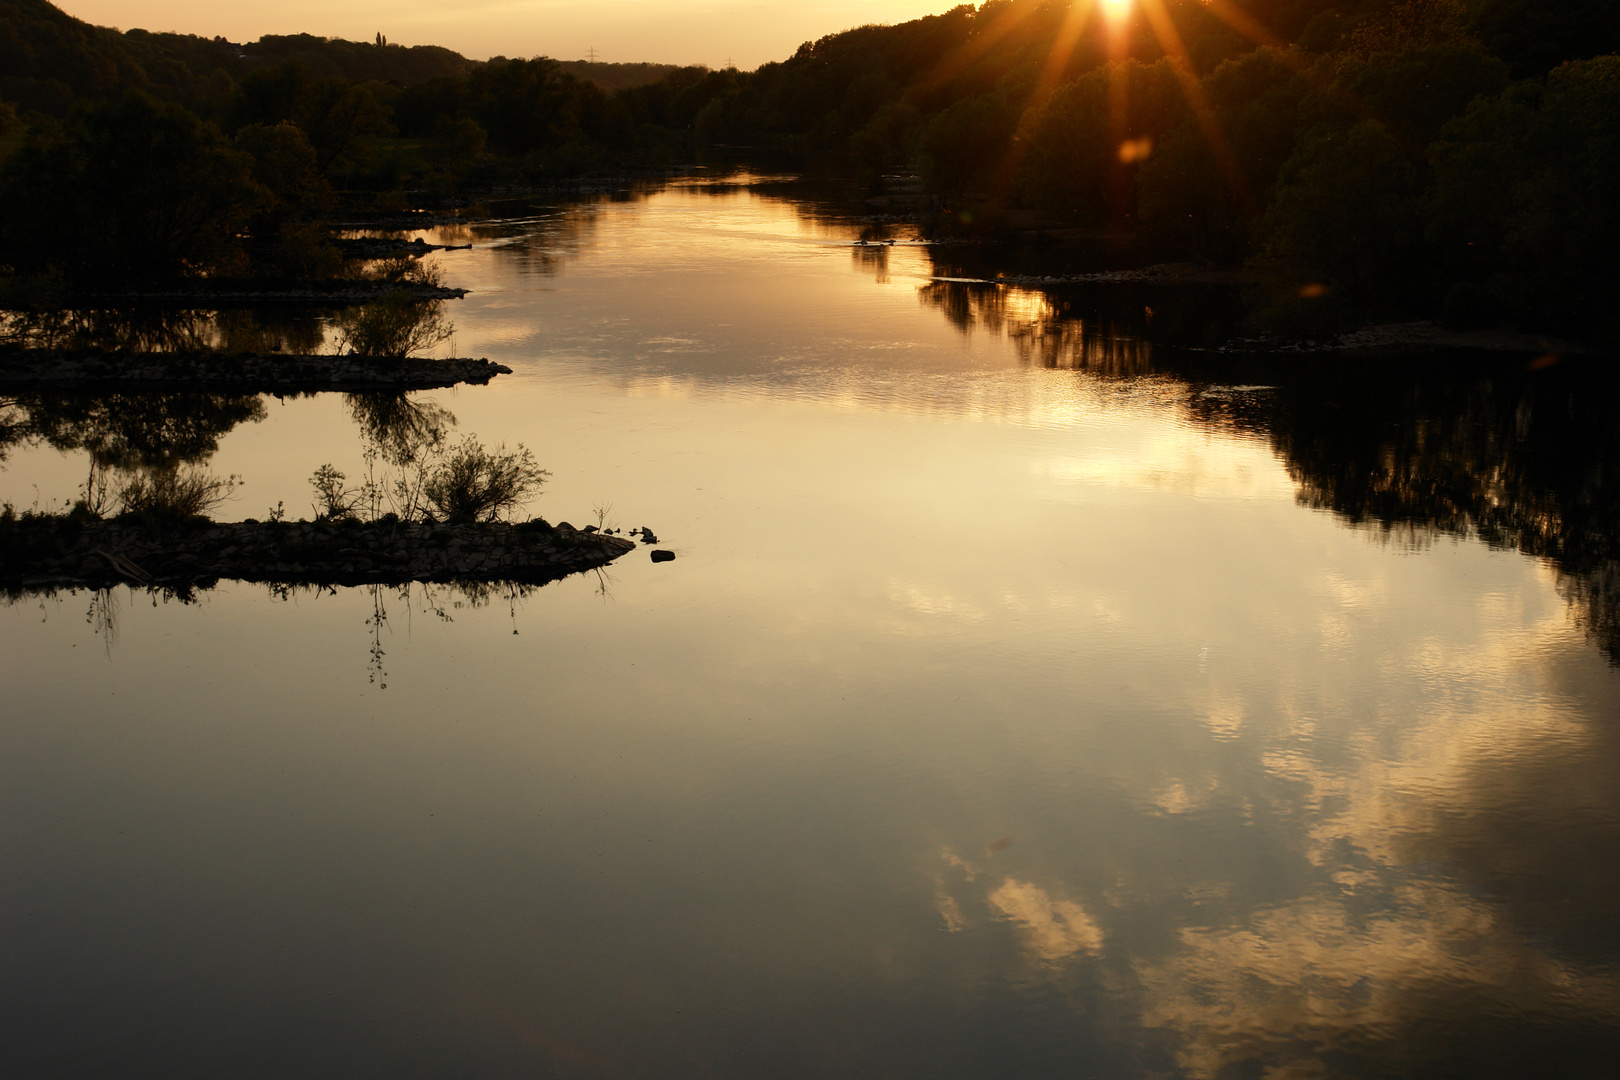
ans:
(182, 492)
(471, 483)
(333, 501)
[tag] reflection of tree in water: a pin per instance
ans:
(874, 260)
(128, 431)
(1047, 332)
(149, 438)
(442, 600)
(543, 238)
(280, 328)
(102, 617)
(404, 435)
(151, 329)
(268, 330)
(1520, 458)
(397, 425)
(439, 599)
(376, 674)
(104, 612)
(13, 425)
(1513, 455)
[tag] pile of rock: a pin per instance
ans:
(42, 552)
(22, 369)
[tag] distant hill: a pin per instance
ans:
(618, 76)
(358, 61)
(49, 59)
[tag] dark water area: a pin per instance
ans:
(1036, 692)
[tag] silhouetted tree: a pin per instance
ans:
(1526, 205)
(136, 189)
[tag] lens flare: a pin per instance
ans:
(1133, 150)
(1116, 10)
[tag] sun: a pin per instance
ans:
(1116, 10)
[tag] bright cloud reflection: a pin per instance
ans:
(1055, 928)
(1400, 825)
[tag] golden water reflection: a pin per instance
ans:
(1452, 896)
(1030, 697)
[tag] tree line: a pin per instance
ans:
(144, 157)
(1372, 157)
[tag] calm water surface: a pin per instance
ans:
(1027, 699)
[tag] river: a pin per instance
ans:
(1029, 696)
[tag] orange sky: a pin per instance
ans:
(748, 32)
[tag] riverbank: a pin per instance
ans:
(1160, 274)
(271, 373)
(382, 247)
(39, 552)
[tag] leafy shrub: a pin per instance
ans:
(471, 483)
(333, 501)
(177, 493)
(407, 270)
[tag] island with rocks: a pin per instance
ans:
(40, 552)
(273, 373)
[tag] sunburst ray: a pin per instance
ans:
(957, 60)
(1164, 28)
(1057, 60)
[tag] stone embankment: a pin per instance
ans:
(270, 373)
(46, 552)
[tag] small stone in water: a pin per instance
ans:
(663, 556)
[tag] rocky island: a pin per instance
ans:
(272, 373)
(41, 552)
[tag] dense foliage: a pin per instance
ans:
(135, 189)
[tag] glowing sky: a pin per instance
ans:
(748, 32)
